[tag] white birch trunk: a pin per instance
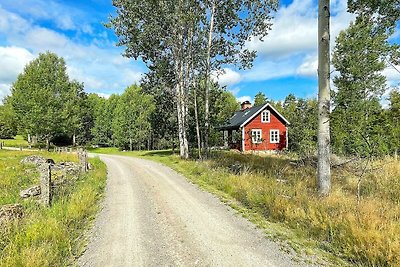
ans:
(180, 101)
(324, 171)
(207, 81)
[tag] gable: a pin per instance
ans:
(272, 111)
(243, 117)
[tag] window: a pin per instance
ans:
(265, 116)
(274, 136)
(256, 136)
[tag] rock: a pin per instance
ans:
(69, 167)
(10, 212)
(30, 192)
(34, 159)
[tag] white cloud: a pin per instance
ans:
(227, 77)
(99, 68)
(290, 48)
(12, 62)
(295, 29)
(309, 66)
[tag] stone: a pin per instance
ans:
(34, 159)
(30, 192)
(11, 212)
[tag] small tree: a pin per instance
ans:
(260, 99)
(8, 127)
(131, 124)
(39, 95)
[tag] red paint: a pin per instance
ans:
(276, 123)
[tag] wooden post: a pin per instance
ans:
(45, 184)
(1, 145)
(20, 148)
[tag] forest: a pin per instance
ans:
(58, 110)
(179, 104)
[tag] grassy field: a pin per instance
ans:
(17, 141)
(47, 236)
(280, 197)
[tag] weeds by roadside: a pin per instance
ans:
(47, 236)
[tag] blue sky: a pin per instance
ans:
(286, 60)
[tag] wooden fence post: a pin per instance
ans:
(45, 184)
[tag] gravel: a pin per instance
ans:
(152, 216)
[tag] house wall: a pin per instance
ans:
(274, 124)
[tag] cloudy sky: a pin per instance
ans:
(286, 60)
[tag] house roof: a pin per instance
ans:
(242, 117)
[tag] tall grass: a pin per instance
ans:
(47, 236)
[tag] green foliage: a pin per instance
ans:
(46, 103)
(102, 111)
(224, 105)
(383, 13)
(131, 124)
(47, 236)
(303, 117)
(393, 121)
(357, 119)
(164, 125)
(8, 127)
(260, 99)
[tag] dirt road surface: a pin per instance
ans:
(152, 216)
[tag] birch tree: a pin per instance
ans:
(157, 32)
(229, 26)
(324, 169)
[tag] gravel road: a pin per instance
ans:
(152, 216)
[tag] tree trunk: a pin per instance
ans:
(207, 81)
(197, 121)
(130, 144)
(180, 101)
(324, 171)
(35, 139)
(47, 144)
(74, 140)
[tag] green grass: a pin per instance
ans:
(17, 141)
(281, 198)
(47, 236)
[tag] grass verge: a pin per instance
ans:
(17, 141)
(281, 198)
(47, 236)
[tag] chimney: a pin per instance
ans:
(245, 105)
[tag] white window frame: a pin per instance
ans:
(257, 139)
(272, 134)
(263, 115)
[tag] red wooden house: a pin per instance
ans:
(259, 128)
